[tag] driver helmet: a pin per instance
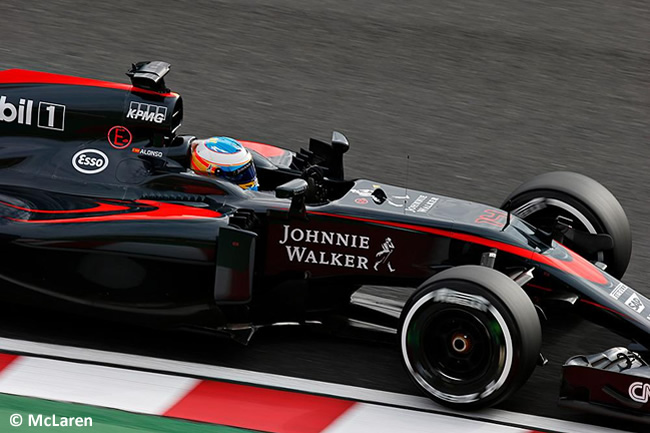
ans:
(226, 158)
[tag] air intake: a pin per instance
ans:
(149, 75)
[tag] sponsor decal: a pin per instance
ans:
(329, 248)
(147, 112)
(396, 200)
(422, 204)
(634, 302)
(304, 254)
(90, 161)
(493, 217)
(148, 152)
(119, 137)
(361, 200)
(363, 192)
(49, 115)
(639, 392)
(418, 201)
(384, 254)
(618, 291)
(464, 299)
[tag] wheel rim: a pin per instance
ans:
(542, 211)
(457, 353)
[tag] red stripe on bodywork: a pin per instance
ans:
(263, 149)
(101, 207)
(160, 211)
(22, 76)
(602, 307)
(454, 235)
(6, 359)
(258, 408)
(535, 286)
(577, 266)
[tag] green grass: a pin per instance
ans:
(103, 420)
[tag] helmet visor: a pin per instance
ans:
(244, 176)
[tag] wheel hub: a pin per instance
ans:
(461, 343)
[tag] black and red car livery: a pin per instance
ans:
(101, 214)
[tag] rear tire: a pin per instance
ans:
(470, 337)
(589, 204)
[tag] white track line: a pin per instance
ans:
(290, 383)
(97, 385)
(370, 418)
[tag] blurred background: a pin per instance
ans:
(481, 95)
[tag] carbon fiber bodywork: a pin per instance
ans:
(615, 382)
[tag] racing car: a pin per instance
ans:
(101, 214)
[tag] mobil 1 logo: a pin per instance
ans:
(48, 116)
(51, 116)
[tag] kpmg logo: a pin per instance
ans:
(618, 291)
(147, 112)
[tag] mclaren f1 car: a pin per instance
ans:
(101, 214)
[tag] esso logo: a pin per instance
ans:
(90, 161)
(640, 392)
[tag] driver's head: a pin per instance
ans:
(225, 158)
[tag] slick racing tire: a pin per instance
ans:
(590, 206)
(469, 337)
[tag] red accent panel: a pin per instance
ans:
(595, 304)
(258, 408)
(6, 359)
(21, 76)
(101, 207)
(154, 211)
(522, 252)
(263, 149)
(577, 266)
(535, 286)
(171, 210)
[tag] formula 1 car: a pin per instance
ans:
(101, 214)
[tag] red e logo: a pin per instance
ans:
(119, 137)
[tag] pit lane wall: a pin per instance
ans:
(121, 400)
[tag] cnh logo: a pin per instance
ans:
(640, 392)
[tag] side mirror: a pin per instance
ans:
(291, 189)
(340, 143)
(295, 190)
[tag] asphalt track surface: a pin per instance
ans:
(481, 96)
